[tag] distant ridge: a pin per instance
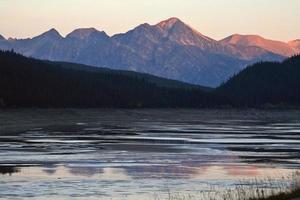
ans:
(277, 47)
(295, 44)
(85, 33)
(53, 33)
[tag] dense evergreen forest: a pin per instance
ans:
(27, 82)
(264, 84)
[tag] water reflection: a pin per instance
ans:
(49, 169)
(85, 171)
(136, 153)
(146, 172)
(8, 170)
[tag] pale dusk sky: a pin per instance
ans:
(273, 19)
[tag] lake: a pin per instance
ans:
(51, 154)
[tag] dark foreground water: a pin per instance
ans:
(141, 154)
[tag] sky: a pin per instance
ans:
(274, 19)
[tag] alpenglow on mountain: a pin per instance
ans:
(169, 49)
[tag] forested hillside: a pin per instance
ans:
(26, 82)
(265, 83)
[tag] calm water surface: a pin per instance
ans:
(141, 154)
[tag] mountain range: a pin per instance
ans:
(170, 49)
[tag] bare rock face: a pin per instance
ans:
(170, 49)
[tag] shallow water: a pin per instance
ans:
(141, 154)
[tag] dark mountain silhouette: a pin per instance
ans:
(170, 49)
(161, 82)
(264, 83)
(26, 82)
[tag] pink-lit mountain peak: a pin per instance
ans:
(169, 23)
(274, 46)
(174, 22)
(295, 44)
(177, 30)
(245, 40)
